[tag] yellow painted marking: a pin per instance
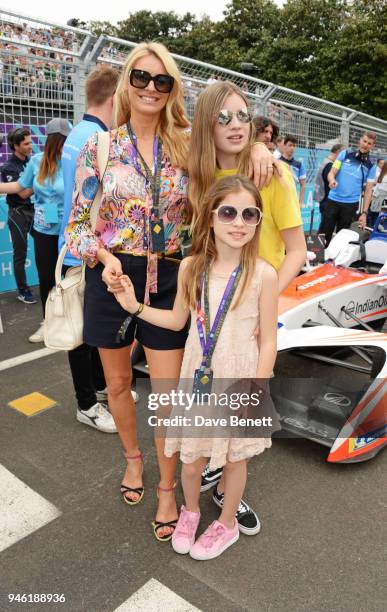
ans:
(157, 229)
(32, 403)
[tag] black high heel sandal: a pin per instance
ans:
(138, 490)
(159, 524)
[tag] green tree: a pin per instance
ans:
(161, 26)
(102, 27)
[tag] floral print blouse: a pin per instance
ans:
(123, 217)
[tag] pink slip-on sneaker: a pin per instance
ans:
(214, 541)
(184, 534)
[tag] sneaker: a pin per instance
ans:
(214, 541)
(27, 297)
(99, 417)
(102, 396)
(184, 535)
(210, 478)
(248, 520)
(38, 336)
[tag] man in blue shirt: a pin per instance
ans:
(296, 166)
(85, 364)
(20, 208)
(350, 174)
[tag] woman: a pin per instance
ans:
(43, 174)
(222, 111)
(138, 233)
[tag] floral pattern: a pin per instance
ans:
(123, 217)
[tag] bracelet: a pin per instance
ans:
(139, 310)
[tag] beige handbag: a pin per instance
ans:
(63, 323)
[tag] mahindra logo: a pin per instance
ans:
(337, 399)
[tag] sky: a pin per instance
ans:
(113, 10)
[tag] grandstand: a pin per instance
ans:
(43, 67)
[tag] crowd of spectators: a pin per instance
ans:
(30, 72)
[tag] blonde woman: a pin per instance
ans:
(138, 234)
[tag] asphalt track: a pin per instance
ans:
(64, 529)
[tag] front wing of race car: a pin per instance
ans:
(340, 400)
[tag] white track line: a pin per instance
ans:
(22, 510)
(25, 358)
(156, 597)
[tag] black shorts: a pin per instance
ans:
(104, 315)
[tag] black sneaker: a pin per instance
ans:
(210, 478)
(27, 297)
(248, 521)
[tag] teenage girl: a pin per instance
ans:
(242, 292)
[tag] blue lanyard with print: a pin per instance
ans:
(204, 375)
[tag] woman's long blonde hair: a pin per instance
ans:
(173, 120)
(202, 152)
(203, 249)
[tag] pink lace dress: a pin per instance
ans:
(235, 357)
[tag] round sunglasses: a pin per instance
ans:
(225, 116)
(228, 214)
(141, 79)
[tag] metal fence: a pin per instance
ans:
(43, 67)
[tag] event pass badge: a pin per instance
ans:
(203, 378)
(157, 235)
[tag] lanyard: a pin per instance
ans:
(208, 344)
(153, 180)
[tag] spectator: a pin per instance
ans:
(43, 174)
(212, 79)
(20, 208)
(350, 173)
(279, 147)
(296, 166)
(379, 196)
(265, 130)
(85, 363)
(321, 187)
(379, 166)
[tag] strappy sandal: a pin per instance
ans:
(159, 524)
(138, 490)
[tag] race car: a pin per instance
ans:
(342, 400)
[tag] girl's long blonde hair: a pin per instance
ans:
(173, 126)
(203, 249)
(202, 152)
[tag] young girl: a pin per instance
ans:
(221, 140)
(242, 289)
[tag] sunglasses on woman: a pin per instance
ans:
(227, 214)
(225, 116)
(141, 79)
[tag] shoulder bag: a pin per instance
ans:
(63, 323)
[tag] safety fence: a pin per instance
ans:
(43, 67)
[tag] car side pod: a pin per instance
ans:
(365, 432)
